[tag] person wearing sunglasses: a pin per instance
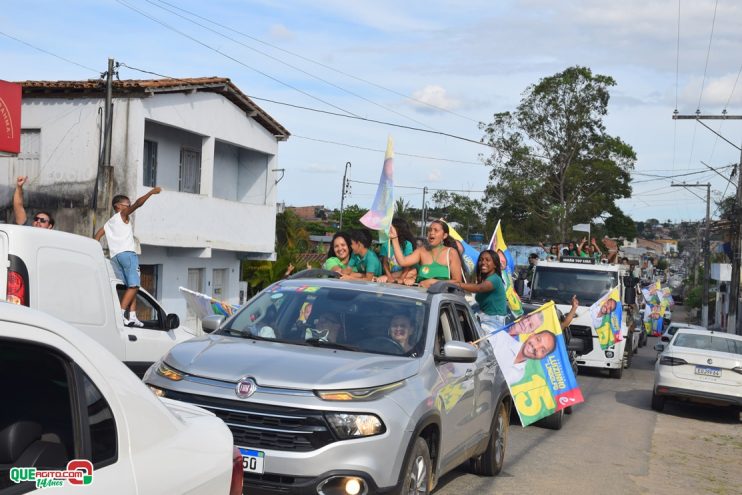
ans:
(42, 219)
(122, 249)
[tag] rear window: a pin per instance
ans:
(357, 320)
(708, 342)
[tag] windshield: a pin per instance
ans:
(559, 284)
(708, 343)
(331, 317)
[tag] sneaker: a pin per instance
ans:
(134, 321)
(127, 322)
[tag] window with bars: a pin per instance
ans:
(150, 163)
(190, 171)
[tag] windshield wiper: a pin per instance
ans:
(315, 342)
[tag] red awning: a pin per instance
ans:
(10, 117)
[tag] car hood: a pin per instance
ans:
(275, 364)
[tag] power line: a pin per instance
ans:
(708, 55)
(665, 177)
(419, 188)
(307, 59)
(50, 53)
(216, 50)
(373, 121)
(317, 110)
(424, 157)
(288, 64)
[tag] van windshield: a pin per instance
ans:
(331, 317)
(559, 284)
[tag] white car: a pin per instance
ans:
(72, 414)
(673, 327)
(699, 366)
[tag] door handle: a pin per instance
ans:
(132, 338)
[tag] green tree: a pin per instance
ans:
(552, 157)
(461, 209)
(351, 217)
(620, 225)
(403, 210)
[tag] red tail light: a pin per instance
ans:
(16, 289)
(237, 473)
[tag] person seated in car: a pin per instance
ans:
(400, 331)
(327, 328)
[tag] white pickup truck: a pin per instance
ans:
(589, 281)
(67, 276)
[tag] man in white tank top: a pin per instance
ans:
(122, 249)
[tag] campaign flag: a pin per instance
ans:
(581, 227)
(532, 356)
(379, 217)
(470, 255)
(657, 299)
(204, 305)
(607, 314)
(10, 117)
(497, 244)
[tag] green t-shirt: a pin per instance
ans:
(407, 250)
(493, 302)
(368, 264)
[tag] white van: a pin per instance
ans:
(589, 281)
(67, 276)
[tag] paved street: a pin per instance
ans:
(615, 443)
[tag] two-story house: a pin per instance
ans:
(209, 146)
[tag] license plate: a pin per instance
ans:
(252, 460)
(708, 371)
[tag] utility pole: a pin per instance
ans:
(104, 159)
(706, 252)
(346, 190)
(422, 220)
(733, 325)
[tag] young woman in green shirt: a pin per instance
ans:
(490, 289)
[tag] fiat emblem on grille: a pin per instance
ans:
(245, 388)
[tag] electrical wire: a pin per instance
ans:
(50, 53)
(390, 124)
(216, 50)
(708, 56)
(289, 65)
(307, 59)
(424, 157)
(397, 186)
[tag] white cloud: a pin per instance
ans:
(436, 96)
(434, 175)
(281, 32)
(716, 92)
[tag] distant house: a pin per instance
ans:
(211, 148)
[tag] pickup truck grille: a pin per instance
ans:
(260, 426)
(585, 334)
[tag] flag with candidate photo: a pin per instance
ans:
(607, 315)
(532, 355)
(204, 305)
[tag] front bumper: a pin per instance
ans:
(273, 484)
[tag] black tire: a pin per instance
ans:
(553, 422)
(628, 356)
(616, 373)
(491, 461)
(418, 474)
(658, 402)
(568, 410)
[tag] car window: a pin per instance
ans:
(468, 329)
(708, 342)
(42, 404)
(146, 311)
(358, 320)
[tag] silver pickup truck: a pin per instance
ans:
(347, 387)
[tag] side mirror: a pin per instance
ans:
(665, 338)
(659, 347)
(576, 345)
(172, 321)
(459, 352)
(211, 323)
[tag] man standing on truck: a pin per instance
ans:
(42, 219)
(122, 249)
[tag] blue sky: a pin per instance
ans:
(471, 58)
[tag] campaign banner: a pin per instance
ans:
(532, 356)
(497, 244)
(657, 299)
(204, 305)
(607, 315)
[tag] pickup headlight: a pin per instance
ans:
(359, 393)
(347, 425)
(166, 371)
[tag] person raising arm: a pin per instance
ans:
(440, 261)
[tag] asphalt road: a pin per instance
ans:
(615, 443)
